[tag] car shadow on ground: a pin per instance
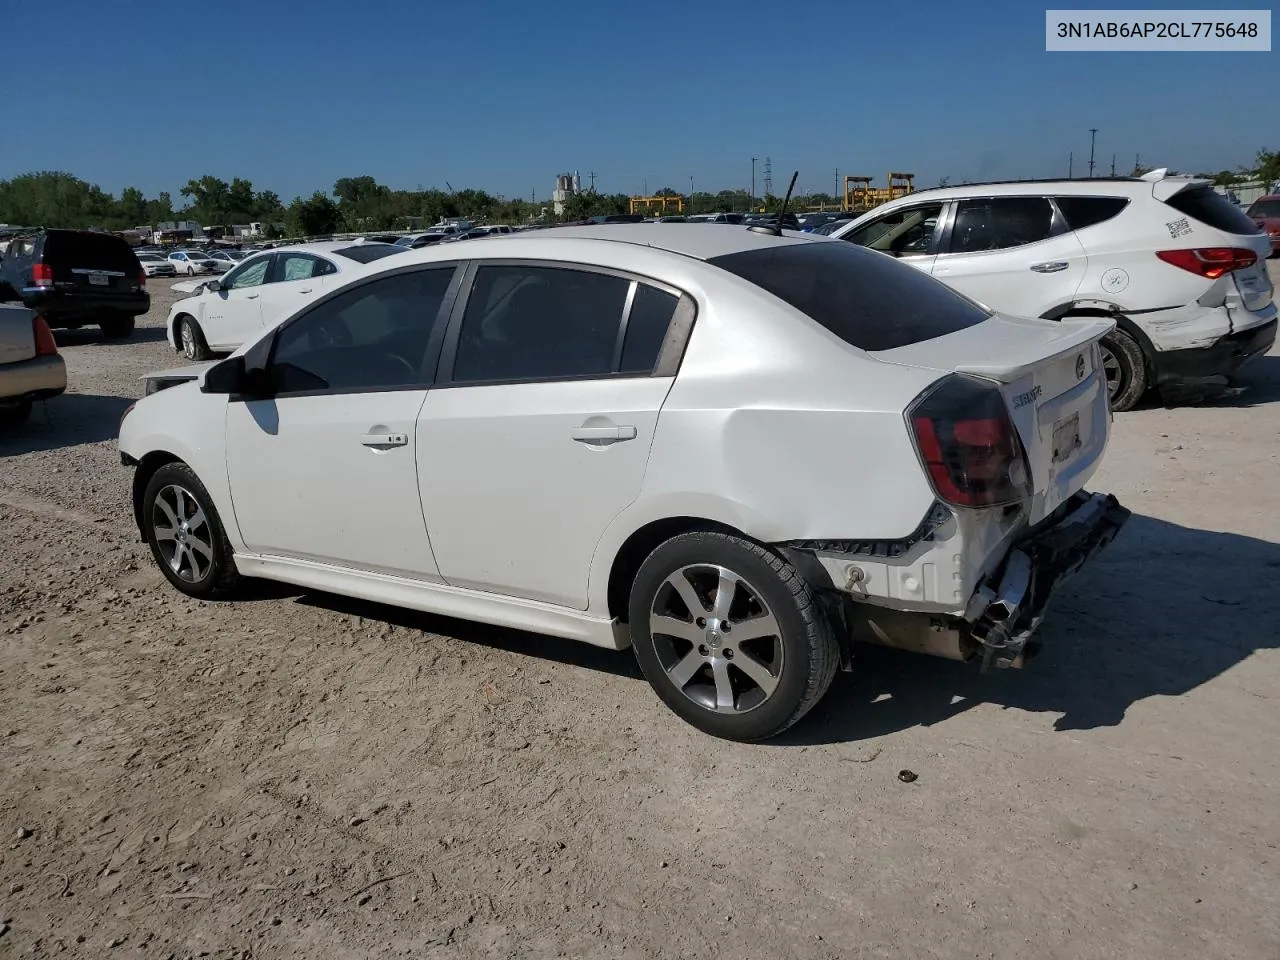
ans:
(83, 336)
(65, 421)
(1165, 609)
(1260, 380)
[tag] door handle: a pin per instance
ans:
(308, 290)
(384, 439)
(251, 296)
(1056, 266)
(603, 435)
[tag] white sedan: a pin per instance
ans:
(733, 450)
(224, 313)
(154, 265)
(227, 258)
(192, 262)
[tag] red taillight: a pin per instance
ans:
(45, 345)
(1210, 262)
(969, 444)
(142, 276)
(42, 275)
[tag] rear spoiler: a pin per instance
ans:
(1165, 186)
(1074, 334)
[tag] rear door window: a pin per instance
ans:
(1081, 212)
(999, 223)
(903, 233)
(869, 301)
(1213, 210)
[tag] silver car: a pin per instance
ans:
(31, 368)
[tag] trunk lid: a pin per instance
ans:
(92, 262)
(1051, 377)
(17, 339)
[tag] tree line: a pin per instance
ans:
(58, 199)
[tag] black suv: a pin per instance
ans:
(75, 278)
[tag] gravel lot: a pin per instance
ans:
(300, 775)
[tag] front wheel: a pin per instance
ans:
(194, 346)
(730, 636)
(1126, 370)
(186, 535)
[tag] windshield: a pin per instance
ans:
(1266, 208)
(867, 299)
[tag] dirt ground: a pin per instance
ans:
(297, 775)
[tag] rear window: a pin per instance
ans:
(1268, 207)
(102, 251)
(368, 252)
(1212, 209)
(867, 299)
(1082, 212)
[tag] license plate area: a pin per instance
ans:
(1066, 437)
(99, 279)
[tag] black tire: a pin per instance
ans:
(191, 339)
(117, 328)
(1126, 368)
(15, 414)
(803, 654)
(208, 577)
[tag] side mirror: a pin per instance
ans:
(244, 375)
(227, 377)
(213, 286)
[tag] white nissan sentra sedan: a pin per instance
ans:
(737, 452)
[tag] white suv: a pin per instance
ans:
(1179, 268)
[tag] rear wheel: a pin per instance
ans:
(117, 328)
(1126, 370)
(730, 636)
(194, 346)
(186, 535)
(15, 414)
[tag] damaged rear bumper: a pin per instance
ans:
(1009, 607)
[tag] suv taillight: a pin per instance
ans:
(1210, 262)
(42, 275)
(969, 444)
(45, 345)
(142, 276)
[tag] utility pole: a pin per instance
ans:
(838, 195)
(592, 175)
(751, 203)
(646, 186)
(1093, 135)
(1071, 158)
(768, 177)
(1113, 164)
(691, 194)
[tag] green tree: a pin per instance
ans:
(315, 216)
(1268, 168)
(132, 207)
(210, 200)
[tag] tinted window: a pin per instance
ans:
(998, 223)
(901, 233)
(75, 248)
(866, 299)
(651, 313)
(252, 273)
(369, 252)
(1201, 203)
(537, 323)
(1265, 208)
(368, 337)
(1081, 212)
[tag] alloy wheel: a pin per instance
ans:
(182, 533)
(1114, 372)
(188, 340)
(716, 638)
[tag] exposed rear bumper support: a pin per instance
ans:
(1012, 605)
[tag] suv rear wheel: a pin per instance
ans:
(1126, 370)
(117, 328)
(730, 636)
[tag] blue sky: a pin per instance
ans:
(504, 94)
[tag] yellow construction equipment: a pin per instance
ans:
(859, 195)
(646, 204)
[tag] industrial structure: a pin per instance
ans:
(859, 195)
(567, 185)
(647, 204)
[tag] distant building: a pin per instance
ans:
(567, 185)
